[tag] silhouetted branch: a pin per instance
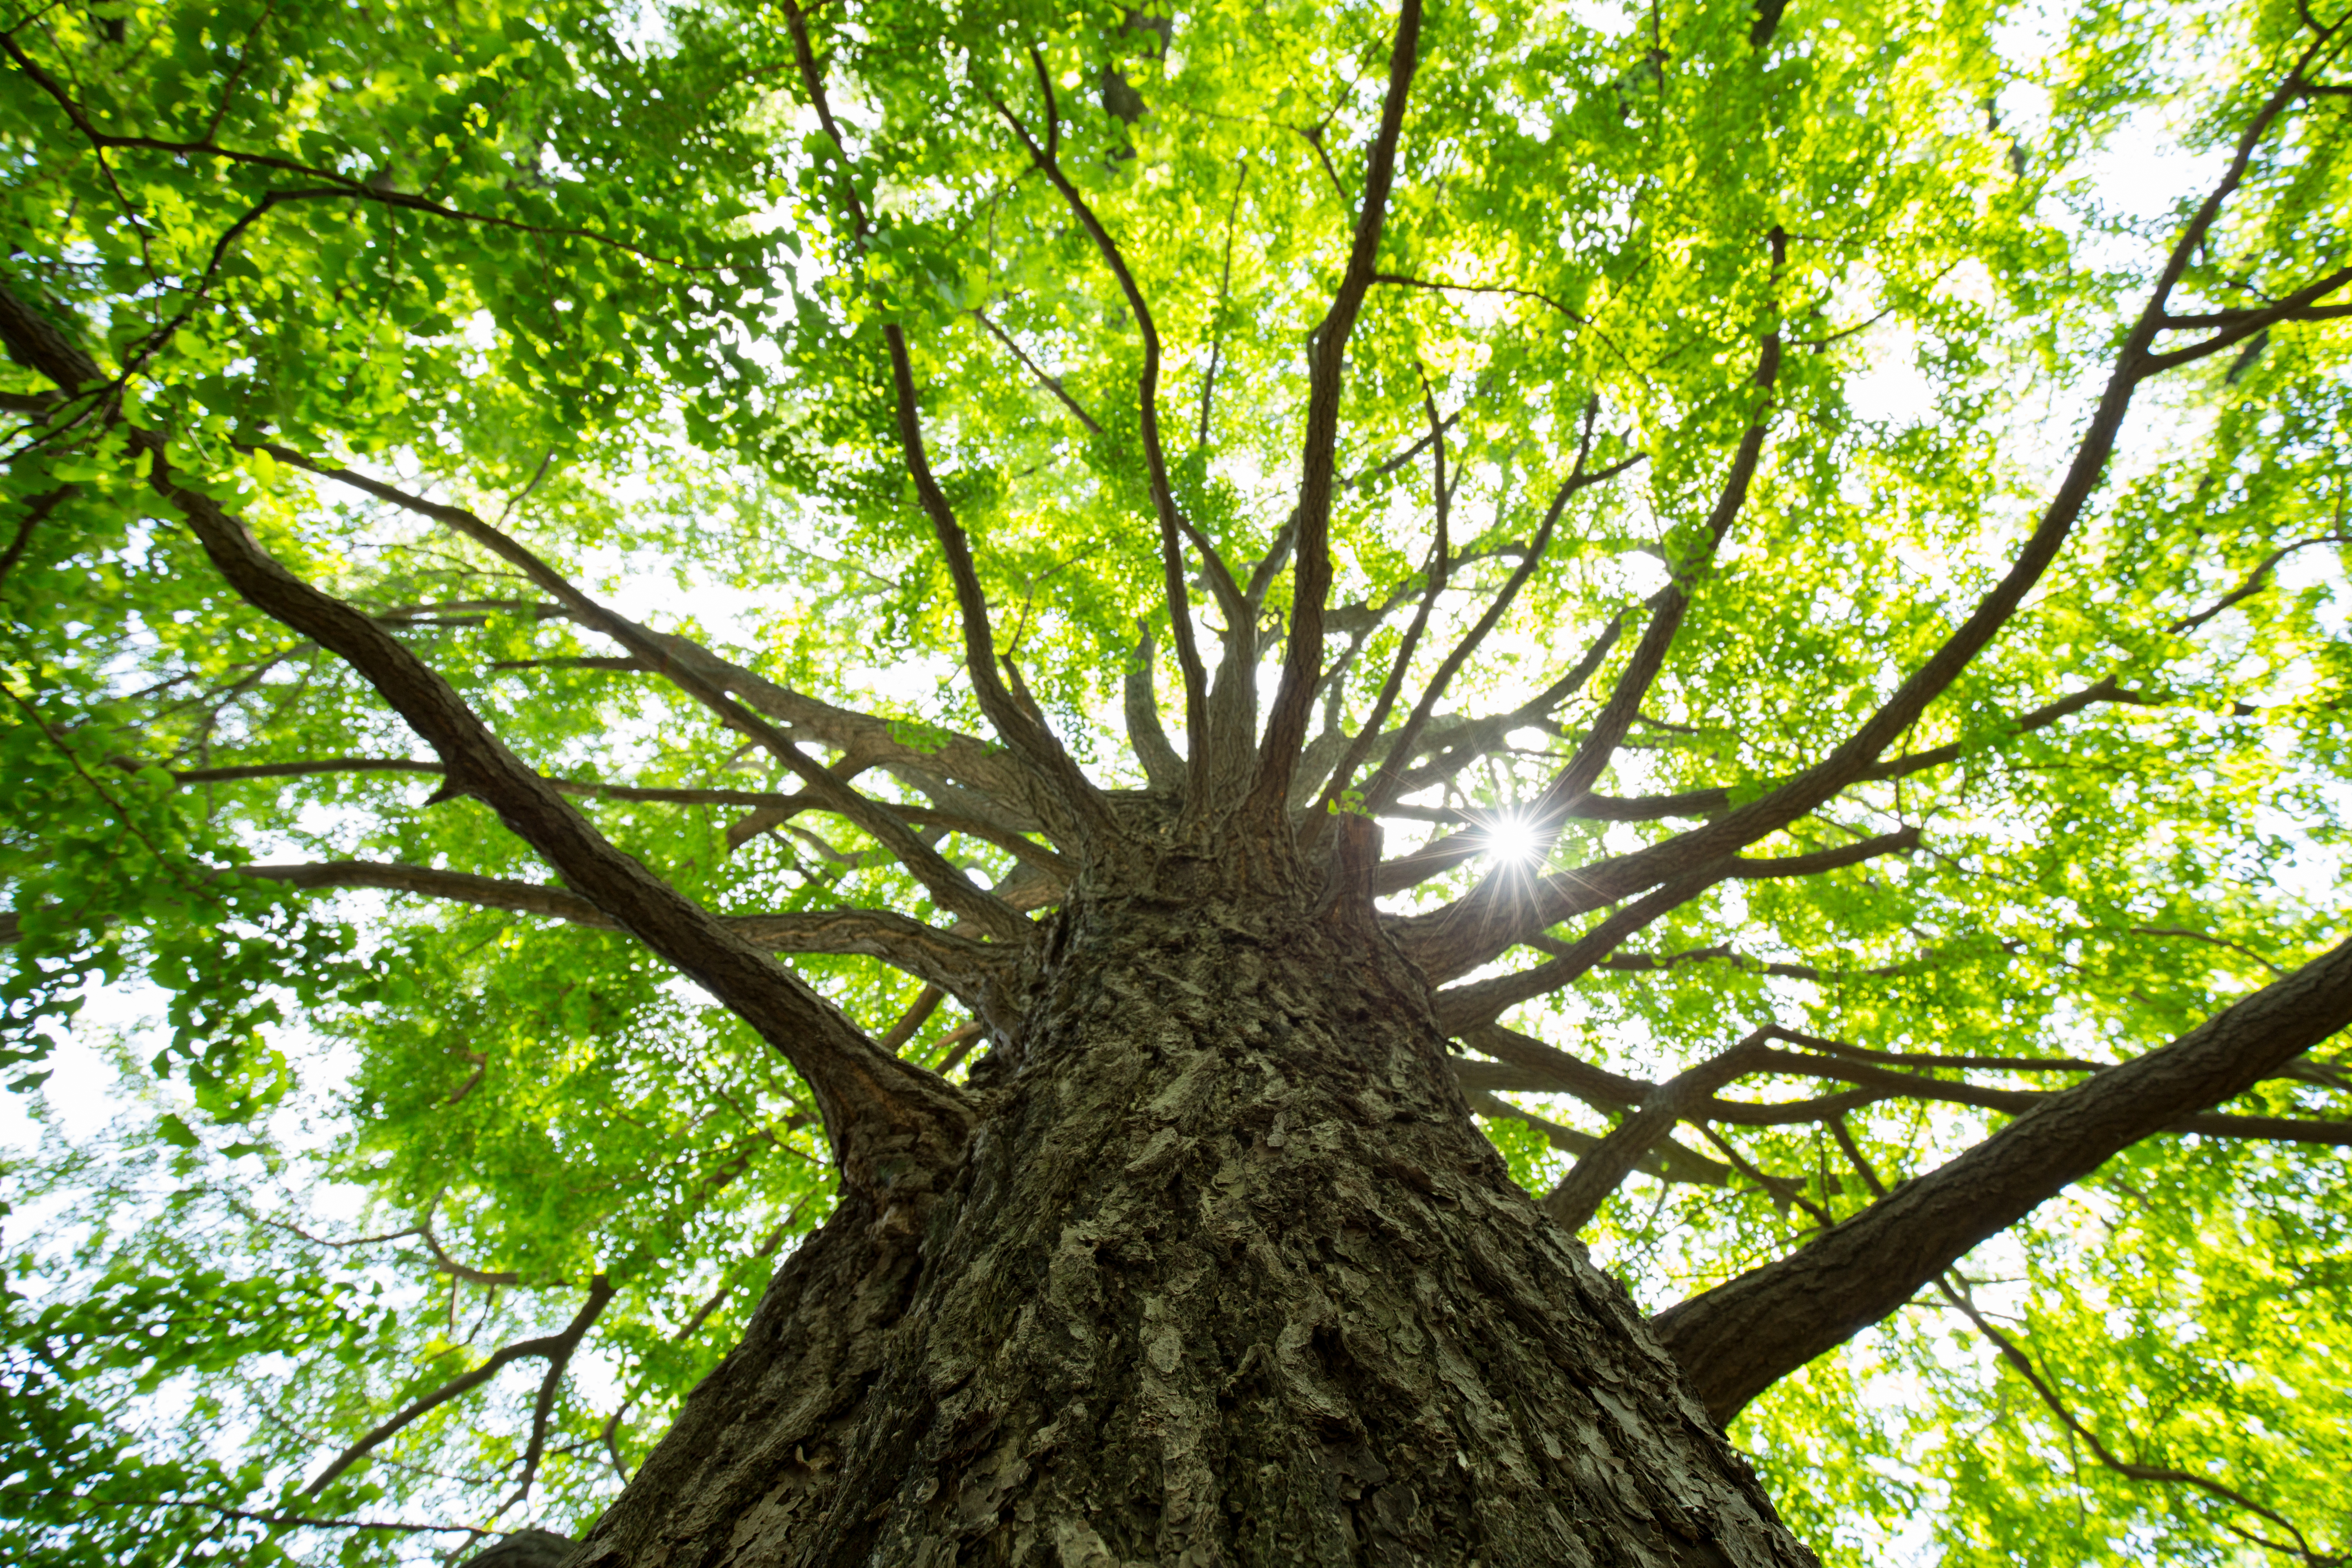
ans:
(1050, 384)
(1302, 663)
(1580, 1192)
(555, 1347)
(1666, 1160)
(281, 1520)
(1738, 1339)
(1959, 1297)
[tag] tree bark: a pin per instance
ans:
(1227, 1277)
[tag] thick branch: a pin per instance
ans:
(1580, 1192)
(1302, 663)
(1161, 765)
(1738, 1339)
(1477, 927)
(1530, 1065)
(869, 1097)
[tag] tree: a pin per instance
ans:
(588, 597)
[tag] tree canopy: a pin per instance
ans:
(1797, 549)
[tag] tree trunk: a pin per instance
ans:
(1228, 1277)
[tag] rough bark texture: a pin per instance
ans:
(525, 1549)
(1228, 1277)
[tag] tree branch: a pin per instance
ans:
(869, 1097)
(1477, 928)
(1708, 802)
(1172, 520)
(943, 881)
(340, 184)
(459, 887)
(1050, 384)
(2017, 1101)
(1225, 298)
(1462, 742)
(1960, 1298)
(1556, 1073)
(1665, 1160)
(1738, 1339)
(555, 1349)
(1462, 1007)
(1442, 502)
(1600, 742)
(1512, 1079)
(284, 1521)
(1161, 766)
(445, 1264)
(1641, 672)
(1580, 1194)
(2236, 326)
(918, 1013)
(1302, 663)
(1032, 740)
(770, 809)
(1387, 783)
(935, 956)
(559, 1358)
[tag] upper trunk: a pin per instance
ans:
(1228, 1277)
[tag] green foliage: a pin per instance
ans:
(589, 269)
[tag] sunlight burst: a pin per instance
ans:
(1514, 840)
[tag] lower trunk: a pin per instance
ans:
(1229, 1278)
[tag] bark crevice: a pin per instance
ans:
(1229, 1277)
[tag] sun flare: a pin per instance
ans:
(1513, 840)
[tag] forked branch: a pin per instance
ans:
(555, 1349)
(1587, 1186)
(1302, 663)
(1738, 1339)
(868, 1098)
(1023, 730)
